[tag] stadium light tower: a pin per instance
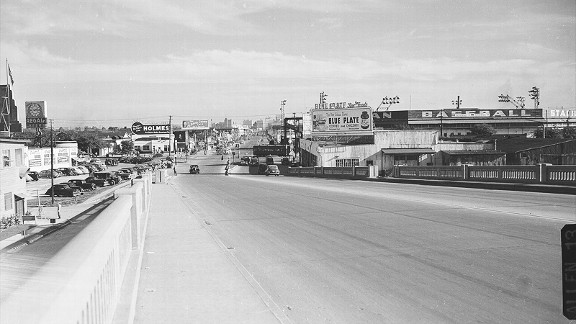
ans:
(389, 102)
(518, 102)
(535, 95)
(457, 102)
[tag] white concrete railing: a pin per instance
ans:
(82, 282)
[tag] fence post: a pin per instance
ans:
(465, 170)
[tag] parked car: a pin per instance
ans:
(194, 169)
(67, 171)
(46, 174)
(33, 175)
(272, 170)
(125, 174)
(111, 161)
(63, 189)
(83, 169)
(109, 177)
(85, 186)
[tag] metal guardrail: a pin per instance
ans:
(542, 173)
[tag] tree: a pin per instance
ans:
(88, 143)
(482, 130)
(550, 133)
(569, 132)
(127, 146)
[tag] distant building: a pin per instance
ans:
(9, 111)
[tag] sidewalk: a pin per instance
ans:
(187, 276)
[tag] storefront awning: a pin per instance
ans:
(393, 151)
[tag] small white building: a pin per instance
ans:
(13, 171)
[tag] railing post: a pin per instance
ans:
(465, 170)
(543, 172)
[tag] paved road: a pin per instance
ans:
(360, 252)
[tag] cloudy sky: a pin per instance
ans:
(112, 62)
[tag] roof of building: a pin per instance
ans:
(474, 152)
(517, 144)
(422, 150)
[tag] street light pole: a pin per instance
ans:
(51, 162)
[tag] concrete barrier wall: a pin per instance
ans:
(82, 283)
(331, 172)
(542, 173)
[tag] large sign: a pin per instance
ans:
(265, 150)
(139, 128)
(342, 121)
(390, 119)
(36, 114)
(474, 113)
(568, 242)
(562, 113)
(198, 124)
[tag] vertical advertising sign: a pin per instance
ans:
(36, 114)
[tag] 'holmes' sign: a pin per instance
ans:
(139, 128)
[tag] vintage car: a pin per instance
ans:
(63, 189)
(194, 169)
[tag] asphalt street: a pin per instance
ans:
(340, 251)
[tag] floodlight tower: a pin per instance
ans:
(388, 101)
(535, 95)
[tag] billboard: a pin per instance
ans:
(36, 114)
(346, 121)
(265, 150)
(561, 113)
(474, 113)
(195, 124)
(139, 128)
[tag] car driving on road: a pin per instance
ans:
(272, 170)
(194, 169)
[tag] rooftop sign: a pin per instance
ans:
(139, 128)
(474, 113)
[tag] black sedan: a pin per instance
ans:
(63, 189)
(82, 184)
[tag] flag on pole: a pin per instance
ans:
(10, 73)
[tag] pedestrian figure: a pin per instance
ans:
(175, 171)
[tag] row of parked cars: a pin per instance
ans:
(68, 171)
(77, 187)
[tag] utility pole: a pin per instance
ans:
(51, 162)
(170, 137)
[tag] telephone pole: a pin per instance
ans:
(170, 137)
(51, 162)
